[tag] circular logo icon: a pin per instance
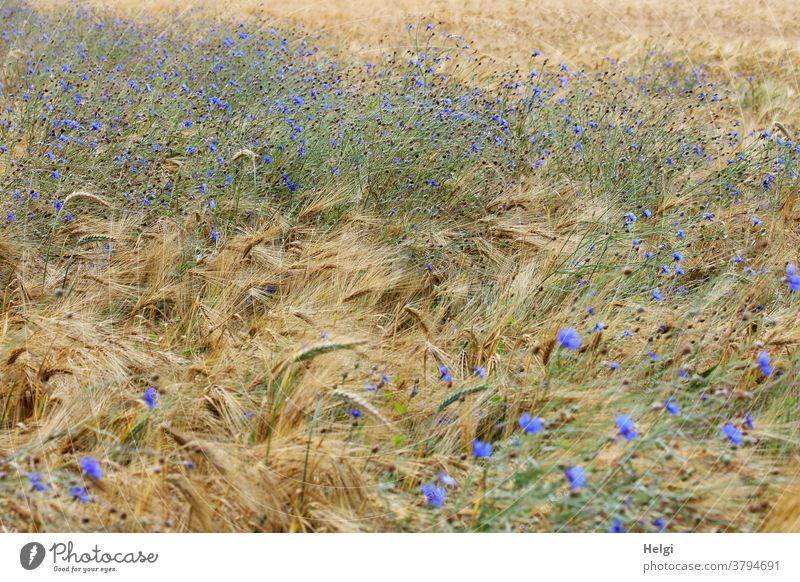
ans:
(31, 555)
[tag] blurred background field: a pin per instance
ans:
(731, 38)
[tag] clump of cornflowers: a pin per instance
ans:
(733, 434)
(37, 482)
(569, 338)
(91, 467)
(764, 362)
(79, 493)
(576, 477)
(626, 427)
(481, 450)
(530, 424)
(151, 397)
(434, 496)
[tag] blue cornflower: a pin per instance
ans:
(626, 427)
(569, 338)
(672, 407)
(748, 421)
(764, 361)
(91, 467)
(646, 213)
(733, 434)
(677, 256)
(576, 477)
(480, 372)
(681, 234)
(434, 495)
(355, 413)
(657, 295)
(481, 450)
(660, 524)
(36, 482)
(150, 397)
(616, 526)
(792, 278)
(11, 216)
(444, 374)
(531, 425)
(79, 493)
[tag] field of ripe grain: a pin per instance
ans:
(425, 266)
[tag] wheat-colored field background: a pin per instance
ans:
(727, 37)
(731, 31)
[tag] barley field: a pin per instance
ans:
(416, 266)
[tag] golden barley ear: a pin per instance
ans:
(420, 320)
(784, 517)
(782, 128)
(242, 153)
(86, 195)
(200, 516)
